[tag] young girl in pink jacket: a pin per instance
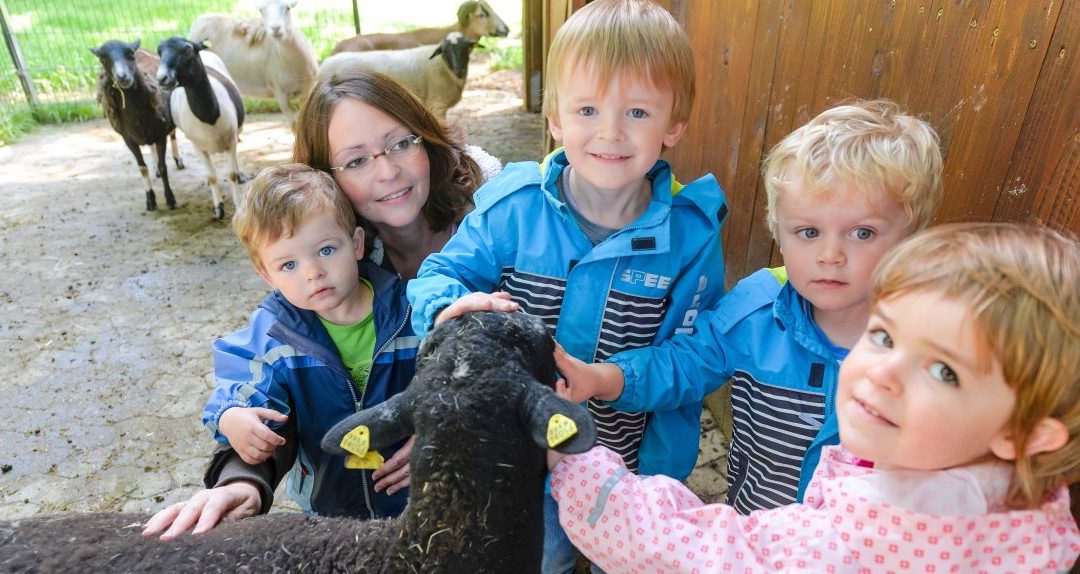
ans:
(959, 416)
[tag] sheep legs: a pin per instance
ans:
(151, 201)
(212, 179)
(283, 103)
(163, 172)
(176, 151)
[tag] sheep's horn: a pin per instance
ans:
(387, 421)
(547, 415)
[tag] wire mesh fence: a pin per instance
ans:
(54, 37)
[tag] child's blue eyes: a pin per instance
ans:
(638, 113)
(587, 111)
(808, 233)
(863, 233)
(288, 266)
(328, 250)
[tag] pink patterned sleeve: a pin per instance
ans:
(627, 523)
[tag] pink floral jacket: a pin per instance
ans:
(854, 519)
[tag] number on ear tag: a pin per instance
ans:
(357, 441)
(560, 428)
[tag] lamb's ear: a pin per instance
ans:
(135, 45)
(387, 423)
(436, 52)
(96, 52)
(555, 422)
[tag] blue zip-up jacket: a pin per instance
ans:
(285, 360)
(639, 286)
(762, 338)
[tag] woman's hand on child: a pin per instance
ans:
(582, 381)
(205, 510)
(393, 475)
(497, 301)
(247, 433)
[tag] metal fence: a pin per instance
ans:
(46, 55)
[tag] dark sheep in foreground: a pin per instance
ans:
(137, 108)
(483, 412)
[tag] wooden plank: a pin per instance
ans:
(722, 37)
(533, 53)
(1043, 182)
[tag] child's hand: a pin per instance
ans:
(497, 301)
(582, 381)
(248, 434)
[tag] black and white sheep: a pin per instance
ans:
(268, 57)
(137, 108)
(438, 82)
(205, 105)
(475, 19)
(483, 412)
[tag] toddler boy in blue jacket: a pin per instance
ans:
(599, 241)
(842, 189)
(332, 339)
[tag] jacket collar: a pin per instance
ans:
(793, 313)
(301, 328)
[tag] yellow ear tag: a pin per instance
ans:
(371, 461)
(560, 428)
(357, 442)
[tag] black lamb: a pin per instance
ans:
(483, 412)
(137, 108)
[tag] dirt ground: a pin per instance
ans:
(107, 311)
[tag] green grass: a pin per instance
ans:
(54, 36)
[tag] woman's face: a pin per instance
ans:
(391, 189)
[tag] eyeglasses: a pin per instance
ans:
(402, 148)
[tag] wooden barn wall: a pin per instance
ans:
(1000, 80)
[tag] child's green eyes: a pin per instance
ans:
(880, 338)
(944, 373)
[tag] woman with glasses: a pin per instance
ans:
(410, 182)
(408, 178)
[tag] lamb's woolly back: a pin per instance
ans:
(481, 406)
(475, 19)
(436, 74)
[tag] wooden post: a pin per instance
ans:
(356, 16)
(17, 58)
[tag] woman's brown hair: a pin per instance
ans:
(454, 176)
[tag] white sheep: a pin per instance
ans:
(438, 82)
(475, 20)
(268, 57)
(205, 105)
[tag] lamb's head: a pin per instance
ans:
(118, 59)
(478, 19)
(455, 49)
(482, 399)
(179, 61)
(275, 16)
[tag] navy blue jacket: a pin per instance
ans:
(285, 360)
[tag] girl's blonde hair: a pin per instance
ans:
(869, 145)
(609, 38)
(1022, 284)
(279, 200)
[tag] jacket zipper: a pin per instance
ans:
(360, 403)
